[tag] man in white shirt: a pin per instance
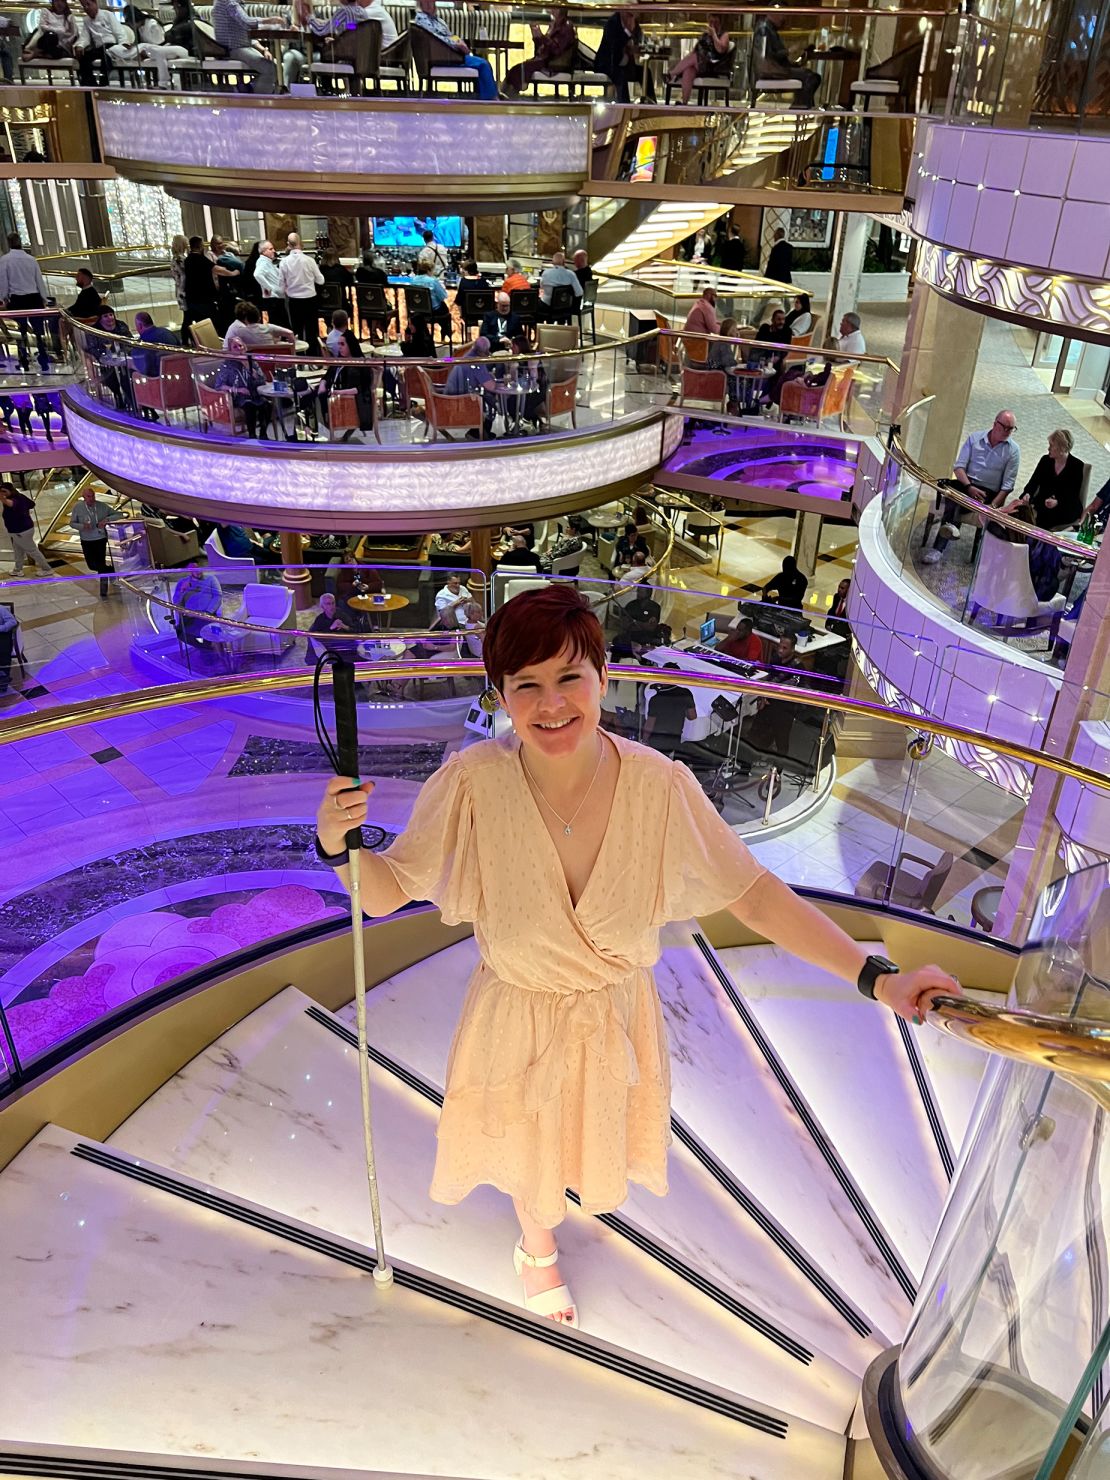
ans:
(851, 339)
(451, 603)
(298, 279)
(376, 11)
(432, 259)
(268, 277)
(22, 286)
(558, 275)
(100, 29)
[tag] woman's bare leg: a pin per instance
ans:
(535, 1239)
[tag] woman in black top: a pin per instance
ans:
(630, 541)
(181, 32)
(1055, 491)
(198, 275)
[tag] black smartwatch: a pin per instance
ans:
(335, 860)
(873, 968)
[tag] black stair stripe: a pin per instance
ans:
(928, 1099)
(643, 1241)
(813, 1126)
(547, 1332)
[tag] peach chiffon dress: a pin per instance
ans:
(558, 1075)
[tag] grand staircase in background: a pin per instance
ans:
(198, 1286)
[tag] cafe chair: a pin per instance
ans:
(704, 385)
(563, 305)
(373, 305)
(818, 402)
(331, 296)
(557, 337)
(172, 389)
(586, 306)
(449, 414)
(270, 607)
(909, 889)
(52, 70)
(670, 351)
(232, 569)
(1003, 587)
(395, 63)
(206, 336)
(418, 305)
(352, 58)
(343, 417)
(525, 303)
(217, 406)
(435, 63)
(562, 399)
(584, 73)
(473, 304)
(553, 80)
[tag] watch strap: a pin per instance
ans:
(871, 970)
(335, 859)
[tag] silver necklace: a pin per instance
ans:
(567, 823)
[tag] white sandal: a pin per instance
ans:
(547, 1302)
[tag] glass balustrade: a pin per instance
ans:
(384, 397)
(1002, 1371)
(999, 574)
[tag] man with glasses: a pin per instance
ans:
(987, 465)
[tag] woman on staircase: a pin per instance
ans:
(558, 1075)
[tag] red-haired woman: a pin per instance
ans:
(558, 1075)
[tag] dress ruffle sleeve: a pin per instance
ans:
(436, 857)
(705, 865)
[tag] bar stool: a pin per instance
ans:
(706, 90)
(876, 87)
(776, 86)
(223, 75)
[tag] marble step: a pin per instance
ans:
(852, 1063)
(271, 1112)
(248, 1336)
(955, 1071)
(727, 1094)
(412, 1016)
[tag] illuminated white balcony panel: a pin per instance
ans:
(322, 487)
(300, 147)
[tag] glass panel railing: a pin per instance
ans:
(1011, 1330)
(32, 356)
(277, 394)
(999, 574)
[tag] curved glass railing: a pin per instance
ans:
(1003, 1367)
(32, 355)
(1000, 574)
(276, 393)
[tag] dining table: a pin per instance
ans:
(383, 603)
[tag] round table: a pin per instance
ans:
(387, 603)
(276, 394)
(223, 639)
(749, 386)
(512, 402)
(607, 521)
(382, 650)
(984, 906)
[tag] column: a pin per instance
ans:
(481, 550)
(850, 232)
(863, 737)
(939, 359)
(807, 542)
(295, 575)
(1083, 696)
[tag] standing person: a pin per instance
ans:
(9, 626)
(22, 286)
(559, 1076)
(100, 31)
(618, 55)
(267, 278)
(734, 252)
(780, 259)
(233, 28)
(668, 709)
(425, 19)
(987, 464)
(788, 588)
(179, 250)
(19, 525)
(702, 318)
(431, 258)
(298, 279)
(198, 274)
(90, 519)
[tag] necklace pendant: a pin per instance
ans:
(566, 831)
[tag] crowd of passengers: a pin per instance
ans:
(260, 303)
(99, 39)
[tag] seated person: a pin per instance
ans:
(570, 543)
(330, 621)
(199, 599)
(625, 574)
(86, 306)
(452, 599)
(627, 545)
(640, 625)
(723, 356)
(518, 556)
(800, 318)
(149, 362)
(788, 588)
(348, 584)
(473, 622)
(555, 51)
(775, 332)
(440, 313)
(987, 464)
(502, 328)
(743, 643)
(341, 334)
(1054, 494)
(558, 275)
(9, 626)
(371, 269)
(668, 709)
(237, 543)
(515, 281)
(247, 331)
(469, 278)
(712, 55)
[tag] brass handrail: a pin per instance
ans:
(102, 251)
(1067, 1045)
(986, 511)
(814, 352)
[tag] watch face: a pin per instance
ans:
(882, 964)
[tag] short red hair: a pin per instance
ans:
(538, 625)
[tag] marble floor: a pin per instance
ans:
(245, 1346)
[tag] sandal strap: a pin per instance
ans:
(536, 1261)
(550, 1302)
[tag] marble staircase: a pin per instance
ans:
(212, 1254)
